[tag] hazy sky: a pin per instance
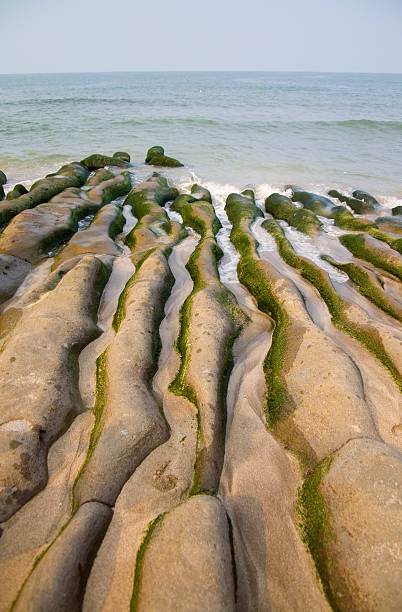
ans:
(131, 35)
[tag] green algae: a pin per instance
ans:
(201, 216)
(394, 243)
(314, 526)
(252, 275)
(365, 285)
(120, 312)
(98, 409)
(139, 560)
(356, 245)
(281, 207)
(336, 305)
(37, 560)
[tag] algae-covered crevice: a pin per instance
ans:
(304, 417)
(368, 285)
(337, 306)
(210, 320)
(132, 423)
(242, 212)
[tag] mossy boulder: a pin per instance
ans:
(281, 207)
(200, 193)
(365, 197)
(122, 155)
(156, 157)
(3, 178)
(154, 151)
(16, 192)
(358, 206)
(397, 210)
(320, 205)
(96, 161)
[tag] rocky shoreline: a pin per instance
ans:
(172, 438)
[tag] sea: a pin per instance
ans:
(315, 130)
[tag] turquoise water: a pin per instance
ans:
(314, 129)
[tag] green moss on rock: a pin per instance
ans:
(281, 207)
(95, 161)
(356, 244)
(314, 526)
(365, 285)
(156, 157)
(336, 305)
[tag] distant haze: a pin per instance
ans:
(129, 35)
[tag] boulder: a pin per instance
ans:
(365, 197)
(320, 205)
(95, 161)
(122, 155)
(16, 192)
(397, 210)
(358, 206)
(200, 193)
(3, 178)
(156, 157)
(281, 207)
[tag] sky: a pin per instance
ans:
(137, 35)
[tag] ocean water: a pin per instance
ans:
(317, 130)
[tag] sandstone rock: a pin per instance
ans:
(189, 558)
(58, 326)
(282, 207)
(131, 423)
(13, 270)
(58, 580)
(362, 491)
(97, 239)
(359, 206)
(71, 175)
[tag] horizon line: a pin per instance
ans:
(248, 70)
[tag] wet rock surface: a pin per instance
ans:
(200, 395)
